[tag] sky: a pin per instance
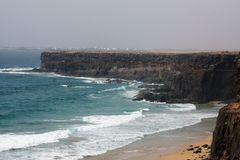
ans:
(141, 24)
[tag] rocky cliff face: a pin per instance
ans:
(187, 77)
(226, 137)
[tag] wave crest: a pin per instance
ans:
(11, 141)
(16, 70)
(103, 121)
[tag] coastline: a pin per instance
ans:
(163, 144)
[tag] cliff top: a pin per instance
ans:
(131, 51)
(232, 107)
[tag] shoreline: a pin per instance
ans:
(162, 144)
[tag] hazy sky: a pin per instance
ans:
(159, 24)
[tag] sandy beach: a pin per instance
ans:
(195, 151)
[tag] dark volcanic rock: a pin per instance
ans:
(196, 77)
(152, 96)
(226, 137)
(198, 151)
(190, 149)
(205, 146)
(154, 92)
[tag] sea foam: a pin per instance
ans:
(13, 141)
(113, 89)
(76, 87)
(16, 70)
(130, 93)
(102, 121)
(182, 107)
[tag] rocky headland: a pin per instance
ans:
(169, 77)
(177, 77)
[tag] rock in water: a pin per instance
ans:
(226, 137)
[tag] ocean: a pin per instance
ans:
(46, 116)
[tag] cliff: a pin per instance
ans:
(190, 77)
(226, 137)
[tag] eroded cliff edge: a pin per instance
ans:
(226, 137)
(187, 77)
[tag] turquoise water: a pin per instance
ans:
(49, 116)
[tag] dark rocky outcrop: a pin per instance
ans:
(190, 77)
(226, 137)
